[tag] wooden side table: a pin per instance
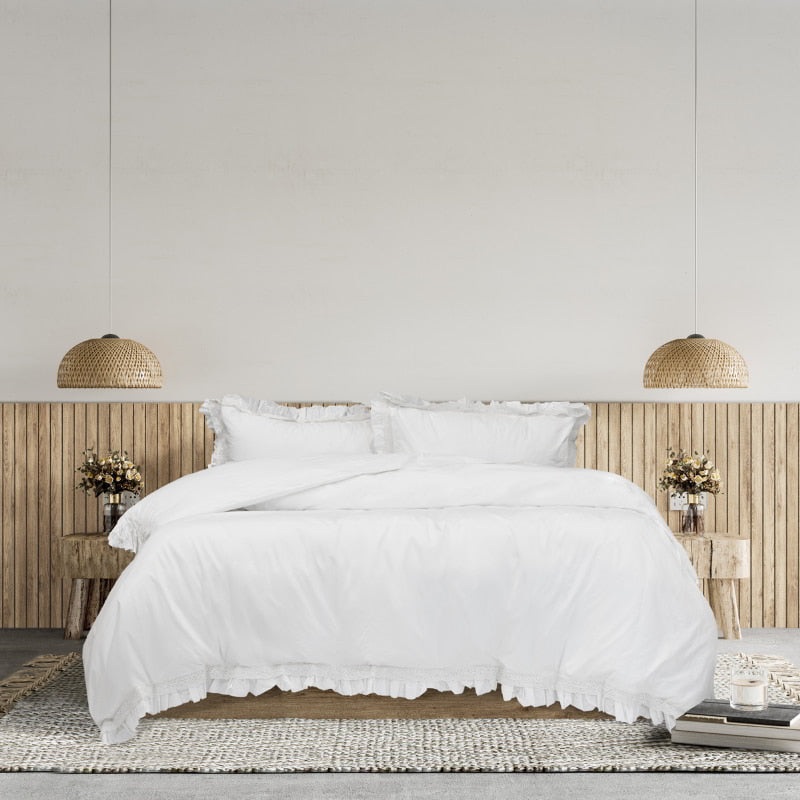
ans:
(720, 559)
(93, 565)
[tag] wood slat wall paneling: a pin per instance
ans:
(756, 447)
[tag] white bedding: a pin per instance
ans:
(392, 575)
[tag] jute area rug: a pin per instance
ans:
(46, 727)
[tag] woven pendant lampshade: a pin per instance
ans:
(696, 362)
(110, 363)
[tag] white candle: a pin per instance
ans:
(748, 692)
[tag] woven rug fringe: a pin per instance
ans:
(32, 677)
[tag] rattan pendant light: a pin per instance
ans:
(110, 362)
(696, 362)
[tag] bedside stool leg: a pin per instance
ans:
(93, 602)
(76, 610)
(722, 594)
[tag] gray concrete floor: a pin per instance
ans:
(18, 646)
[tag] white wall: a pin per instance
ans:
(315, 199)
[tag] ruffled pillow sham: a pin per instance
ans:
(246, 429)
(502, 432)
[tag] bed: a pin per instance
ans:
(398, 583)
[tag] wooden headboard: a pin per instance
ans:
(754, 444)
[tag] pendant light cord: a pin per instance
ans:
(110, 251)
(695, 167)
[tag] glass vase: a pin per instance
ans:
(113, 509)
(693, 517)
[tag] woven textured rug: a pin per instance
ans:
(46, 727)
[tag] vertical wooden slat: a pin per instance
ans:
(56, 506)
(124, 436)
(626, 440)
(208, 442)
(732, 484)
(602, 436)
(720, 457)
(9, 515)
(103, 429)
(137, 435)
(198, 439)
(685, 442)
(163, 444)
(579, 445)
(115, 426)
(792, 514)
(662, 438)
(187, 438)
(31, 531)
(20, 515)
(674, 443)
(638, 444)
(746, 505)
(150, 463)
(779, 551)
(68, 494)
(614, 438)
(174, 441)
(757, 515)
(768, 515)
(81, 501)
(696, 443)
(590, 447)
(43, 502)
(94, 511)
(710, 449)
(650, 456)
(697, 428)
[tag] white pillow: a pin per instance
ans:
(505, 433)
(247, 429)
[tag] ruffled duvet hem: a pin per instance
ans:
(623, 706)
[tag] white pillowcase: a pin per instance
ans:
(246, 429)
(502, 432)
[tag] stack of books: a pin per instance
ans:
(715, 724)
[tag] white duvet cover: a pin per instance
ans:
(392, 575)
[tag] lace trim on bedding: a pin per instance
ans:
(387, 682)
(127, 535)
(212, 409)
(383, 403)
